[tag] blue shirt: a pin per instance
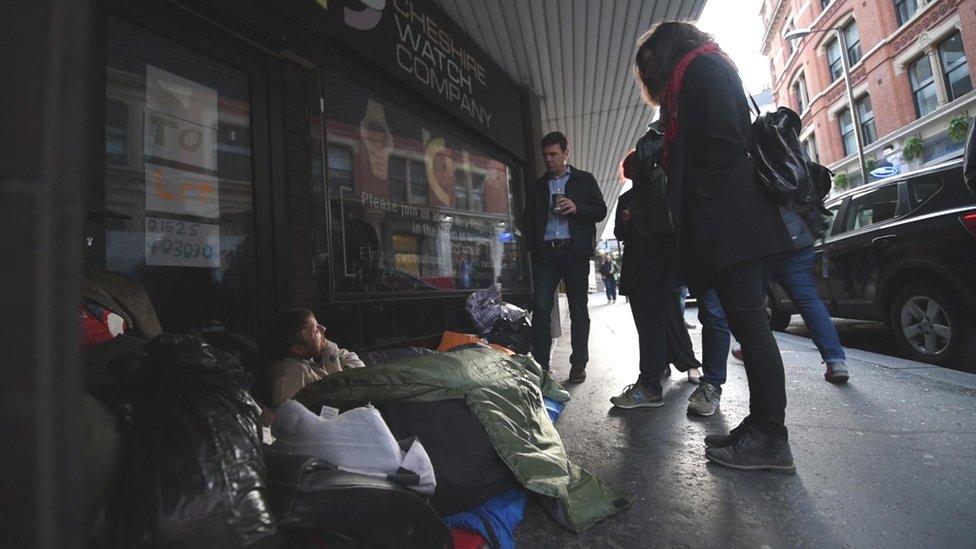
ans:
(558, 225)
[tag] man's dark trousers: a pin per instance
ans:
(549, 266)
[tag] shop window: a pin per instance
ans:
(834, 62)
(923, 86)
(800, 93)
(878, 205)
(178, 181)
(955, 70)
(905, 9)
(432, 209)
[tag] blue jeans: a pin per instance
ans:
(794, 271)
(716, 339)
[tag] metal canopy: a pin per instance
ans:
(576, 56)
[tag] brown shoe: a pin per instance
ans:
(577, 374)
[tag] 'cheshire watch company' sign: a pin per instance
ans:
(417, 42)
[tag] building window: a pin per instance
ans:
(398, 178)
(954, 67)
(866, 114)
(834, 61)
(868, 132)
(800, 93)
(853, 39)
(923, 86)
(810, 145)
(418, 183)
(340, 169)
(905, 9)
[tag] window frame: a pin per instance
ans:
(838, 64)
(843, 134)
(852, 45)
(866, 123)
(946, 70)
(803, 97)
(898, 4)
(916, 88)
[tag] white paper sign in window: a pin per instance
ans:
(173, 138)
(177, 243)
(180, 98)
(181, 192)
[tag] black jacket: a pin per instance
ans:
(582, 189)
(724, 217)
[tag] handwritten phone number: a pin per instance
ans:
(186, 250)
(174, 226)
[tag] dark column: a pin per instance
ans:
(45, 106)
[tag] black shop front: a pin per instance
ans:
(364, 159)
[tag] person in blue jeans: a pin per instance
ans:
(795, 273)
(716, 340)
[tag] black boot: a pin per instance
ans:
(755, 451)
(577, 373)
(721, 441)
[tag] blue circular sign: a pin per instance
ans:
(884, 171)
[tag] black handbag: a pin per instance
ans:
(783, 168)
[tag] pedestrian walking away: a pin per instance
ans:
(711, 189)
(609, 279)
(562, 208)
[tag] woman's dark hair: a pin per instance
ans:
(283, 332)
(659, 50)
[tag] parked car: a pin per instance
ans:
(902, 251)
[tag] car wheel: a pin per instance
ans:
(932, 326)
(778, 319)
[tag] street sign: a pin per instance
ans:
(884, 171)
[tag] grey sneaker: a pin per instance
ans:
(836, 372)
(705, 400)
(636, 396)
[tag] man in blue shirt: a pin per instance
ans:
(562, 209)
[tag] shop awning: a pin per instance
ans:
(576, 56)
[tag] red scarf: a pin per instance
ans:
(672, 92)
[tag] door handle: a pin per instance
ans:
(108, 214)
(882, 239)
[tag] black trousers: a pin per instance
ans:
(650, 297)
(740, 291)
(549, 267)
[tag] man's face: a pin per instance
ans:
(555, 158)
(312, 339)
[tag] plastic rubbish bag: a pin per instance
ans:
(500, 322)
(192, 471)
(358, 441)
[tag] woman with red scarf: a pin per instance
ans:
(723, 223)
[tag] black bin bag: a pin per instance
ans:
(323, 506)
(192, 472)
(500, 322)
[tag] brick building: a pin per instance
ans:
(910, 63)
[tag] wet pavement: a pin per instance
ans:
(888, 460)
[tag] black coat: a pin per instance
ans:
(582, 189)
(724, 217)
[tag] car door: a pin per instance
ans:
(858, 248)
(821, 248)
